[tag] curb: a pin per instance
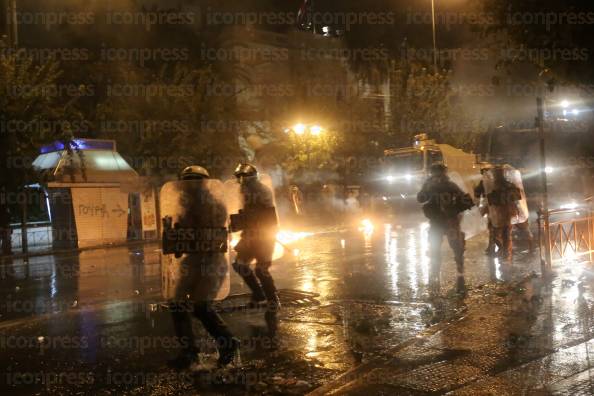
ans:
(77, 250)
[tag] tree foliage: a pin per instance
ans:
(425, 102)
(167, 120)
(32, 113)
(553, 36)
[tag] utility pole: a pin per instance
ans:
(544, 202)
(11, 23)
(434, 38)
(313, 18)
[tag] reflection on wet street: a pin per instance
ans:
(97, 314)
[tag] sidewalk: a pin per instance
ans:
(527, 336)
(50, 251)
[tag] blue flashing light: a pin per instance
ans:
(80, 144)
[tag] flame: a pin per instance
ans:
(288, 237)
(283, 238)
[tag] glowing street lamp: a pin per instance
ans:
(315, 130)
(565, 103)
(299, 129)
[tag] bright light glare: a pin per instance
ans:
(366, 227)
(316, 130)
(288, 237)
(283, 238)
(570, 205)
(549, 169)
(390, 178)
(408, 177)
(234, 240)
(299, 129)
(565, 104)
(575, 111)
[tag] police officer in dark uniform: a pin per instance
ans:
(503, 199)
(444, 203)
(480, 192)
(202, 274)
(259, 225)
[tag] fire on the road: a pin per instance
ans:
(284, 238)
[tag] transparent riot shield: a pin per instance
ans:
(472, 221)
(235, 202)
(195, 241)
(232, 193)
(514, 176)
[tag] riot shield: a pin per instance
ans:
(235, 202)
(194, 263)
(514, 176)
(472, 221)
(232, 193)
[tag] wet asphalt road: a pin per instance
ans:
(90, 321)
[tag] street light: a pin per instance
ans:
(315, 130)
(434, 40)
(299, 129)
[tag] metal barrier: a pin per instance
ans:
(39, 235)
(570, 235)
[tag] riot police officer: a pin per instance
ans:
(444, 203)
(503, 199)
(481, 192)
(258, 222)
(201, 275)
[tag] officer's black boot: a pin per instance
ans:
(227, 345)
(268, 286)
(460, 285)
(249, 277)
